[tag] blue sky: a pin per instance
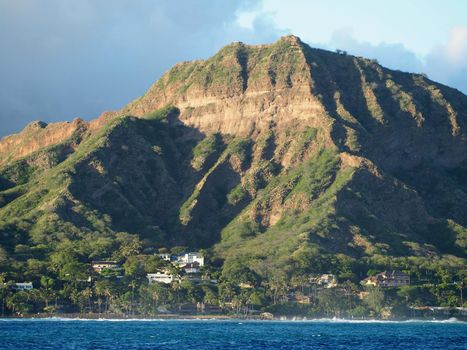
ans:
(419, 25)
(65, 58)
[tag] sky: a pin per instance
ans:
(61, 59)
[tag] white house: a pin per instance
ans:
(161, 277)
(189, 258)
(164, 256)
(23, 286)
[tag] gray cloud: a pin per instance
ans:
(66, 58)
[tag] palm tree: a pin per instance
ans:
(4, 287)
(99, 289)
(46, 291)
(87, 294)
(103, 289)
(18, 302)
(133, 285)
(278, 286)
(176, 289)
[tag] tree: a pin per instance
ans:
(178, 250)
(3, 256)
(128, 245)
(18, 302)
(175, 291)
(327, 301)
(132, 285)
(134, 266)
(35, 268)
(159, 293)
(256, 298)
(299, 281)
(46, 291)
(210, 295)
(82, 298)
(4, 288)
(153, 263)
(227, 291)
(98, 246)
(278, 286)
(375, 300)
(194, 293)
(74, 271)
(237, 272)
(104, 288)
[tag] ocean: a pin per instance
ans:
(231, 334)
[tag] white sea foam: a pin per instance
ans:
(356, 321)
(238, 321)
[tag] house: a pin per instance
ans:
(161, 277)
(188, 308)
(393, 278)
(209, 308)
(302, 299)
(188, 258)
(192, 268)
(98, 266)
(23, 286)
(165, 256)
(326, 280)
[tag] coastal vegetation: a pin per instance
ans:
(67, 284)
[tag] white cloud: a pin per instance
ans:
(447, 63)
(456, 47)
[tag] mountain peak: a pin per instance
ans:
(35, 125)
(291, 38)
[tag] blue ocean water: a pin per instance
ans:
(232, 334)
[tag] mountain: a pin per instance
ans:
(277, 156)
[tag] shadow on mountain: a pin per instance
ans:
(142, 176)
(420, 179)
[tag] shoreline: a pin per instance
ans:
(178, 317)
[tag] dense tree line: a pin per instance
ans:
(64, 282)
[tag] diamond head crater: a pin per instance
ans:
(265, 182)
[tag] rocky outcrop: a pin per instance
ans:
(39, 135)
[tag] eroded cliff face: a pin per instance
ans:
(265, 151)
(38, 135)
(242, 90)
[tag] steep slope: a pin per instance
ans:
(280, 155)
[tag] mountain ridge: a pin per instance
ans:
(265, 153)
